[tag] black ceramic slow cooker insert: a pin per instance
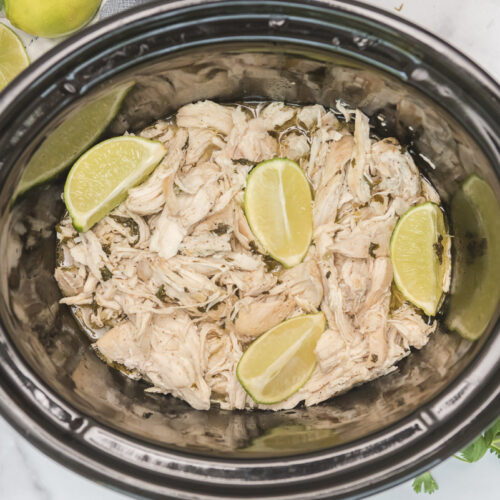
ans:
(91, 418)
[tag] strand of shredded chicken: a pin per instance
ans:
(176, 287)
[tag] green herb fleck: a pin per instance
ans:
(106, 248)
(343, 125)
(271, 264)
(221, 229)
(161, 293)
(59, 254)
(244, 161)
(106, 274)
(253, 247)
(128, 222)
(372, 248)
(439, 249)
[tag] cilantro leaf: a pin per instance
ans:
(481, 444)
(490, 440)
(425, 481)
(495, 442)
(474, 451)
(495, 430)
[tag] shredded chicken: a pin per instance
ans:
(174, 287)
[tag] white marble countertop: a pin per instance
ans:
(472, 27)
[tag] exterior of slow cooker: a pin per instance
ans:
(415, 443)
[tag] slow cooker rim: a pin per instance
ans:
(26, 79)
(50, 59)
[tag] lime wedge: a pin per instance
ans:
(420, 249)
(70, 139)
(280, 361)
(13, 56)
(475, 217)
(288, 439)
(278, 209)
(101, 178)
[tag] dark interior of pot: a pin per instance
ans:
(48, 338)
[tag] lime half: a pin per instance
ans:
(69, 140)
(278, 209)
(50, 18)
(13, 56)
(101, 178)
(475, 217)
(280, 361)
(420, 250)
